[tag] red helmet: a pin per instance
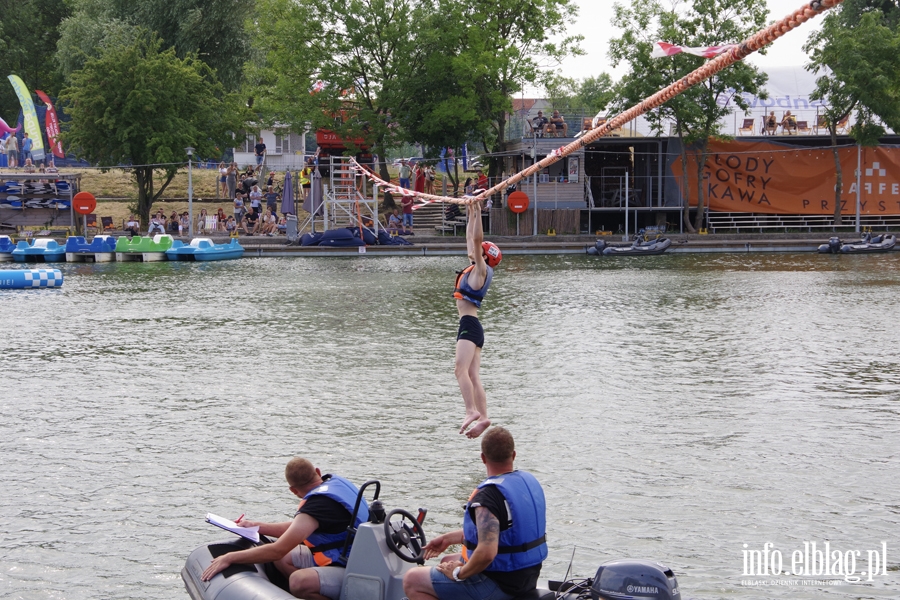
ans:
(492, 254)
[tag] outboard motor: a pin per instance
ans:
(634, 579)
(834, 244)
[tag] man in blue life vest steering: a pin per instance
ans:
(503, 535)
(471, 286)
(308, 548)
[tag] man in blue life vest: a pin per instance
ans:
(471, 286)
(503, 535)
(308, 548)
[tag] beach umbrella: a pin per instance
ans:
(287, 195)
(313, 202)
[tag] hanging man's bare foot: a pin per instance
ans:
(471, 417)
(478, 428)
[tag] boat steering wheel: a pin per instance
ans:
(405, 539)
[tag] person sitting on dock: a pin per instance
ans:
(250, 224)
(157, 224)
(133, 226)
(309, 548)
(395, 223)
(472, 284)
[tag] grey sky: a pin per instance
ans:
(594, 24)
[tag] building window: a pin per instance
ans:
(282, 142)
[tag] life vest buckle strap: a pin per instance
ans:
(511, 549)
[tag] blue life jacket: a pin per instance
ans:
(524, 544)
(326, 547)
(465, 292)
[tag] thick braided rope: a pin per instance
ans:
(738, 52)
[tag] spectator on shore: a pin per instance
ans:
(419, 184)
(260, 150)
(185, 223)
(395, 223)
(270, 181)
(771, 123)
(404, 175)
(231, 179)
(230, 226)
(482, 183)
(12, 152)
(173, 223)
(221, 218)
(267, 224)
(157, 223)
(133, 226)
(789, 123)
(223, 180)
(250, 224)
(538, 124)
(239, 206)
(406, 203)
(201, 222)
(256, 199)
(51, 167)
(305, 178)
(29, 167)
(557, 125)
(429, 180)
(469, 187)
(27, 145)
(272, 200)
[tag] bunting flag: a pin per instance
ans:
(663, 49)
(51, 123)
(32, 127)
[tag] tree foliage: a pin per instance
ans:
(856, 55)
(437, 72)
(697, 113)
(137, 104)
(211, 30)
(28, 33)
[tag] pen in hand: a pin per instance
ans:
(238, 520)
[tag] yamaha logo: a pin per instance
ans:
(642, 589)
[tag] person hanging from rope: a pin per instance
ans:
(472, 284)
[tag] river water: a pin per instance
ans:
(675, 408)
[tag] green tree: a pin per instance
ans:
(363, 51)
(211, 30)
(856, 54)
(697, 114)
(28, 33)
(136, 104)
(510, 44)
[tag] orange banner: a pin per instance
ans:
(764, 177)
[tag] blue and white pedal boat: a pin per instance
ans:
(204, 249)
(6, 248)
(101, 249)
(42, 250)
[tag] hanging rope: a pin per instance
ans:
(736, 53)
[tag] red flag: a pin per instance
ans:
(52, 125)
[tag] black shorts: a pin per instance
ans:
(470, 329)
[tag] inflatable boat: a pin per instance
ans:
(144, 249)
(101, 249)
(42, 250)
(6, 248)
(867, 245)
(30, 278)
(386, 547)
(204, 249)
(640, 247)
